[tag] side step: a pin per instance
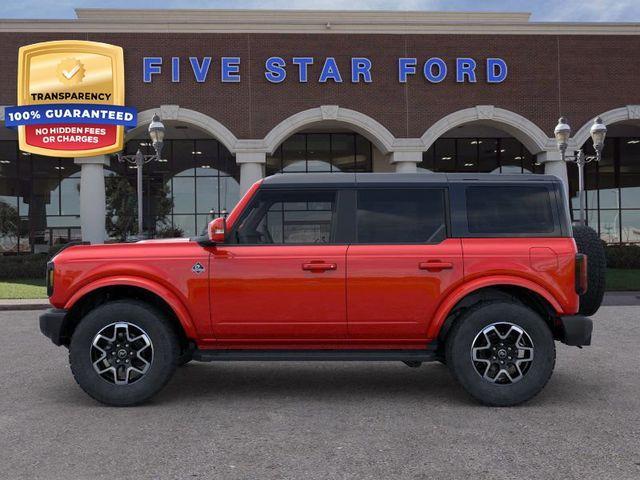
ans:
(426, 355)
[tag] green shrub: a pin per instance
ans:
(23, 266)
(623, 256)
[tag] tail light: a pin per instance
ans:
(581, 274)
(50, 278)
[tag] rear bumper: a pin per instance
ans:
(576, 330)
(52, 324)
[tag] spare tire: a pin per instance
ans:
(588, 242)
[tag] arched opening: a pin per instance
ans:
(612, 185)
(479, 147)
(196, 180)
(325, 149)
(39, 199)
(328, 139)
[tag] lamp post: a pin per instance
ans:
(562, 133)
(156, 133)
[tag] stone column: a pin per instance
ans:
(92, 198)
(406, 162)
(251, 168)
(553, 165)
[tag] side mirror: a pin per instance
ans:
(217, 230)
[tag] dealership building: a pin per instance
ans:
(244, 94)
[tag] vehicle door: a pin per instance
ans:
(401, 264)
(282, 274)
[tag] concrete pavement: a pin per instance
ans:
(322, 420)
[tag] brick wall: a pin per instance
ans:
(578, 76)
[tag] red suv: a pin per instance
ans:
(479, 272)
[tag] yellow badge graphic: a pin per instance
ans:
(70, 99)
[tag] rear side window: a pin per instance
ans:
(401, 215)
(509, 210)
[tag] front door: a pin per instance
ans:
(400, 265)
(281, 277)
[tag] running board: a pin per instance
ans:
(315, 355)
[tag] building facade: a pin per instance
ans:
(246, 94)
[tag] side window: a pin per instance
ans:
(288, 217)
(501, 210)
(401, 215)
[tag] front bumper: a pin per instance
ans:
(52, 325)
(576, 330)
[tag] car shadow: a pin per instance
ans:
(302, 381)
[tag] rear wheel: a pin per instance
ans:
(501, 353)
(122, 353)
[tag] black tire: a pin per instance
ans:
(165, 352)
(458, 352)
(589, 243)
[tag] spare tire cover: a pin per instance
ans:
(588, 242)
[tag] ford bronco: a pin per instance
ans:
(480, 272)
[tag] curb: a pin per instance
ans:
(30, 304)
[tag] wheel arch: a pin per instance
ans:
(110, 289)
(520, 290)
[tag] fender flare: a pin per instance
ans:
(499, 280)
(164, 293)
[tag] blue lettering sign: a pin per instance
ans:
(275, 69)
(496, 70)
(330, 71)
(175, 69)
(230, 69)
(428, 70)
(151, 66)
(200, 71)
(303, 64)
(360, 67)
(406, 66)
(465, 67)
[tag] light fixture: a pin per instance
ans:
(468, 164)
(598, 133)
(475, 142)
(4, 162)
(205, 166)
(447, 158)
(517, 158)
(632, 142)
(196, 152)
(58, 168)
(562, 133)
(156, 133)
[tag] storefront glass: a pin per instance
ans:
(612, 190)
(322, 152)
(489, 155)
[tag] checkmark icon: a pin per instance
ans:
(71, 73)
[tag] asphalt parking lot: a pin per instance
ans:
(322, 420)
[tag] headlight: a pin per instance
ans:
(50, 278)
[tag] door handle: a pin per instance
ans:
(435, 265)
(319, 266)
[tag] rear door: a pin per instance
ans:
(282, 277)
(401, 263)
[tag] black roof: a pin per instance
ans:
(407, 179)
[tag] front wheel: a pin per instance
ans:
(501, 353)
(122, 353)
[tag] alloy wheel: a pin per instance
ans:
(502, 353)
(121, 353)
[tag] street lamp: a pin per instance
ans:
(156, 133)
(562, 133)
